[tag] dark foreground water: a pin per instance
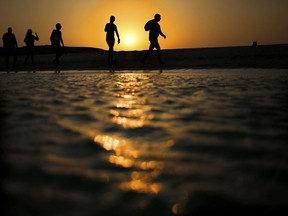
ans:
(144, 143)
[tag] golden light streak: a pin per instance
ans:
(126, 156)
(141, 183)
(132, 111)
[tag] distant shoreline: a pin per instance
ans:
(85, 58)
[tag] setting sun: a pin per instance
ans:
(129, 40)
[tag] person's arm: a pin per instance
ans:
(161, 33)
(16, 44)
(61, 40)
(36, 38)
(117, 34)
(52, 37)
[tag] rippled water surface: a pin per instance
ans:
(145, 143)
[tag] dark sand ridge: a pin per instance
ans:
(82, 58)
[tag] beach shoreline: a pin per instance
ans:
(83, 58)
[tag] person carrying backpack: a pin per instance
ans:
(154, 31)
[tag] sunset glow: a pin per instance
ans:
(187, 23)
(129, 40)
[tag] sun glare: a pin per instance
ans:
(129, 40)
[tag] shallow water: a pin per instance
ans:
(145, 143)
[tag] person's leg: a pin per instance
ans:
(56, 60)
(26, 59)
(59, 53)
(31, 54)
(110, 54)
(32, 58)
(159, 53)
(15, 57)
(151, 47)
(7, 57)
(110, 42)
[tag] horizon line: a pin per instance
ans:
(179, 48)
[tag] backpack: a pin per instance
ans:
(147, 26)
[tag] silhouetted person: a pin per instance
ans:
(10, 47)
(29, 40)
(154, 31)
(110, 29)
(56, 42)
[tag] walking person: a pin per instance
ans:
(57, 43)
(29, 40)
(110, 29)
(10, 47)
(154, 31)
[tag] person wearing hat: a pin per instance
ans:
(57, 43)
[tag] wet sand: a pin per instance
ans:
(160, 142)
(79, 58)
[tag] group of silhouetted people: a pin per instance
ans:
(10, 46)
(10, 43)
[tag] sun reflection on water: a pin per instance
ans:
(126, 156)
(119, 146)
(131, 111)
(141, 182)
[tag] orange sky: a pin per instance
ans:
(186, 23)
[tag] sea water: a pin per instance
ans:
(144, 142)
